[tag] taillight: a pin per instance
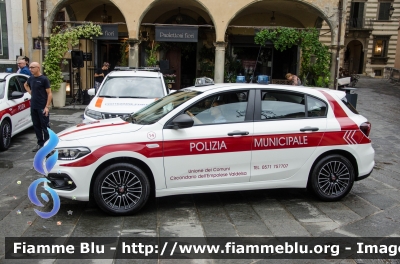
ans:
(366, 128)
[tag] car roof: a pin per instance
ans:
(3, 75)
(301, 89)
(134, 73)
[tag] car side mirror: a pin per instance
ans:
(91, 91)
(182, 121)
(16, 95)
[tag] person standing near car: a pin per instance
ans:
(38, 86)
(23, 68)
(100, 74)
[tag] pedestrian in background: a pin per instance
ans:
(26, 59)
(39, 87)
(23, 67)
(293, 78)
(100, 74)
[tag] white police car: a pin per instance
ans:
(124, 91)
(224, 137)
(15, 102)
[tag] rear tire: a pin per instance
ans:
(332, 178)
(5, 135)
(121, 189)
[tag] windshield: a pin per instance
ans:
(132, 87)
(158, 109)
(2, 89)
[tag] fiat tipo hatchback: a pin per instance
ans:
(215, 138)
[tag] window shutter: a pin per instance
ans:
(384, 11)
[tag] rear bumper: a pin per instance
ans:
(362, 177)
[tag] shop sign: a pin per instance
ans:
(109, 32)
(176, 34)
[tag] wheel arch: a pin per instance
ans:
(7, 118)
(142, 165)
(344, 153)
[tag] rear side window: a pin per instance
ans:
(349, 106)
(282, 105)
(316, 107)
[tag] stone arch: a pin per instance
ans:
(70, 11)
(273, 4)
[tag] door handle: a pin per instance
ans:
(238, 133)
(307, 128)
(26, 99)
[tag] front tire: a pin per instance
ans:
(121, 189)
(332, 178)
(5, 135)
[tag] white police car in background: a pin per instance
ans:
(15, 103)
(224, 137)
(124, 91)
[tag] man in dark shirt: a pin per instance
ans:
(39, 87)
(100, 74)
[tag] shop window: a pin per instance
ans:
(384, 10)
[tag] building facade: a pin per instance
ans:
(220, 40)
(370, 36)
(12, 36)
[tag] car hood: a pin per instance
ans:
(113, 126)
(119, 105)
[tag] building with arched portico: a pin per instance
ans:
(221, 42)
(219, 34)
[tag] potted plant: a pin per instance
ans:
(151, 61)
(60, 43)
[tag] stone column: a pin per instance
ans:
(133, 60)
(365, 49)
(219, 61)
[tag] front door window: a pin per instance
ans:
(217, 149)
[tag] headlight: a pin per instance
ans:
(93, 114)
(72, 153)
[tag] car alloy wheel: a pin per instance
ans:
(332, 178)
(121, 189)
(5, 134)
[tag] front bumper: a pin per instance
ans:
(72, 183)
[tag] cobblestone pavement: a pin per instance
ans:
(371, 209)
